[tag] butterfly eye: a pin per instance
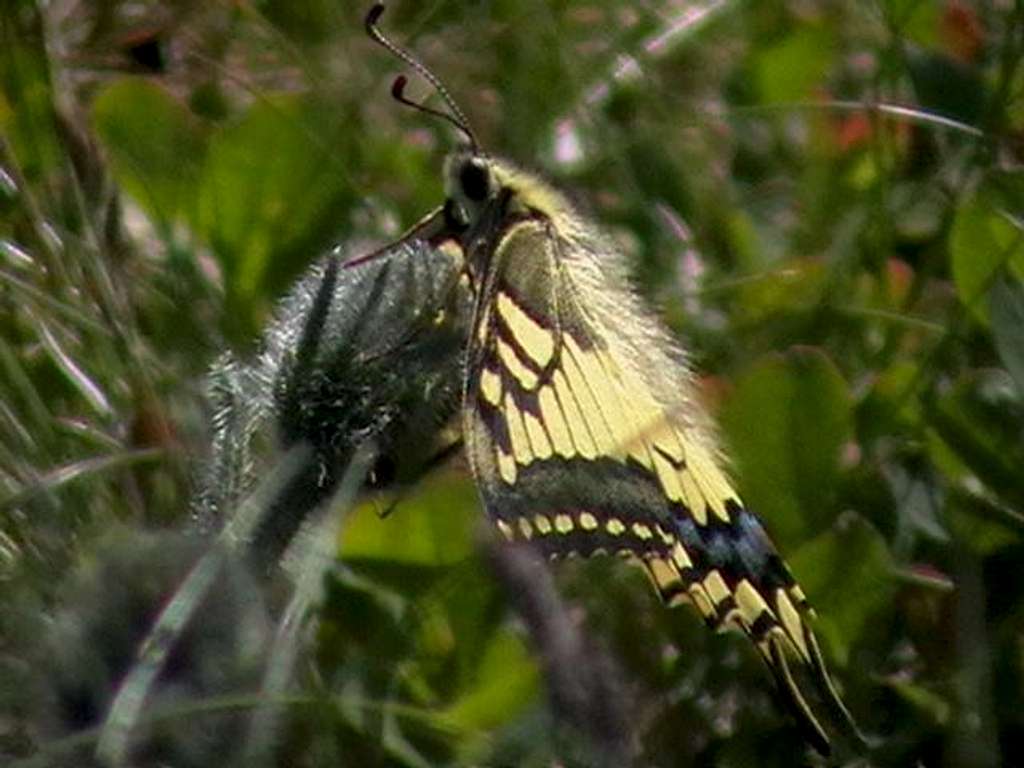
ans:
(473, 180)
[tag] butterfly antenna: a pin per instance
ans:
(455, 116)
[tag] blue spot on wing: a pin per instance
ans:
(738, 550)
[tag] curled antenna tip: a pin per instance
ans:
(454, 115)
(398, 88)
(373, 16)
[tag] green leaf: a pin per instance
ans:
(1006, 308)
(432, 528)
(979, 425)
(273, 193)
(935, 706)
(982, 525)
(507, 683)
(915, 20)
(887, 407)
(307, 21)
(983, 241)
(27, 117)
(787, 422)
(848, 572)
(790, 69)
(795, 289)
(461, 614)
(154, 145)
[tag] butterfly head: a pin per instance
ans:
(476, 184)
(470, 184)
(480, 189)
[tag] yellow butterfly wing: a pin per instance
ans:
(584, 436)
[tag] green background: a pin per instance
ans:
(823, 198)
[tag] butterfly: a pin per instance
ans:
(581, 420)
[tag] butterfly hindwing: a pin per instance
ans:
(578, 447)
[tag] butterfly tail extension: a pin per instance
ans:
(794, 680)
(764, 603)
(776, 651)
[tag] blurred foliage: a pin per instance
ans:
(825, 199)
